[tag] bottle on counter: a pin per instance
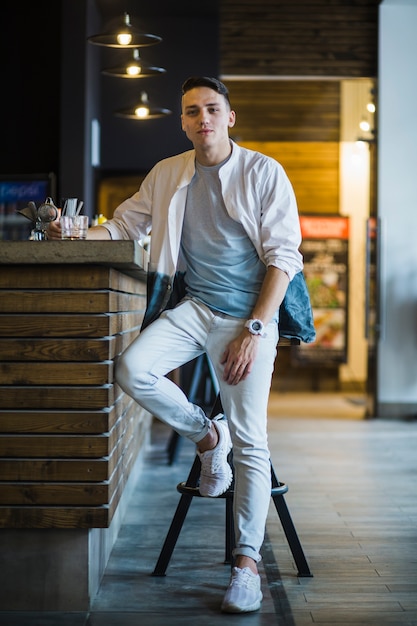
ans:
(99, 219)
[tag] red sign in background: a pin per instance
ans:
(325, 252)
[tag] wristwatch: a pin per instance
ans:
(256, 327)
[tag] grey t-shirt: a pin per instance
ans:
(223, 267)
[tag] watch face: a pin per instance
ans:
(257, 326)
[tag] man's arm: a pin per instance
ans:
(240, 353)
(95, 232)
(98, 232)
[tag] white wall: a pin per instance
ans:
(397, 208)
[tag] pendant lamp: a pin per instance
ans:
(143, 110)
(134, 68)
(122, 34)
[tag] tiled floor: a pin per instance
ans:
(352, 496)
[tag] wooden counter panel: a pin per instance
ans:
(54, 470)
(75, 422)
(59, 325)
(127, 460)
(69, 445)
(59, 422)
(52, 350)
(55, 446)
(55, 517)
(90, 277)
(74, 301)
(69, 373)
(68, 434)
(61, 469)
(54, 494)
(56, 397)
(49, 507)
(66, 349)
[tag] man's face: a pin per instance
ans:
(206, 117)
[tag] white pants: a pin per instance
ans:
(178, 336)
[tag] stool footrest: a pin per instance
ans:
(194, 491)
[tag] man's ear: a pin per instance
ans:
(232, 119)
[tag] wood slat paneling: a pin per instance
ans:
(55, 494)
(51, 350)
(74, 301)
(79, 493)
(51, 470)
(299, 38)
(68, 434)
(64, 373)
(33, 446)
(60, 325)
(285, 110)
(70, 277)
(66, 349)
(100, 516)
(65, 421)
(54, 517)
(56, 397)
(313, 169)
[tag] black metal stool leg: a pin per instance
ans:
(172, 448)
(172, 536)
(289, 529)
(230, 531)
(177, 522)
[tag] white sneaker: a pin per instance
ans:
(244, 592)
(216, 474)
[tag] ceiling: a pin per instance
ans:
(149, 8)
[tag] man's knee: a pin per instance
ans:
(130, 376)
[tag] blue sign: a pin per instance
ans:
(24, 191)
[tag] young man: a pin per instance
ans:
(225, 220)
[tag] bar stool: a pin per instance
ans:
(189, 489)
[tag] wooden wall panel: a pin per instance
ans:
(268, 110)
(333, 38)
(313, 169)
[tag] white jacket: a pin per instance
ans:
(256, 192)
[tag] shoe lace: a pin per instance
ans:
(243, 578)
(211, 463)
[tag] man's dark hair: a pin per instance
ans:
(206, 81)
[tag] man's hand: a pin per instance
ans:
(94, 232)
(54, 230)
(239, 356)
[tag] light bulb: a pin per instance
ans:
(133, 70)
(124, 39)
(365, 125)
(371, 107)
(142, 111)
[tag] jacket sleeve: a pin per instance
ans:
(279, 220)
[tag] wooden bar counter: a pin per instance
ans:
(69, 437)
